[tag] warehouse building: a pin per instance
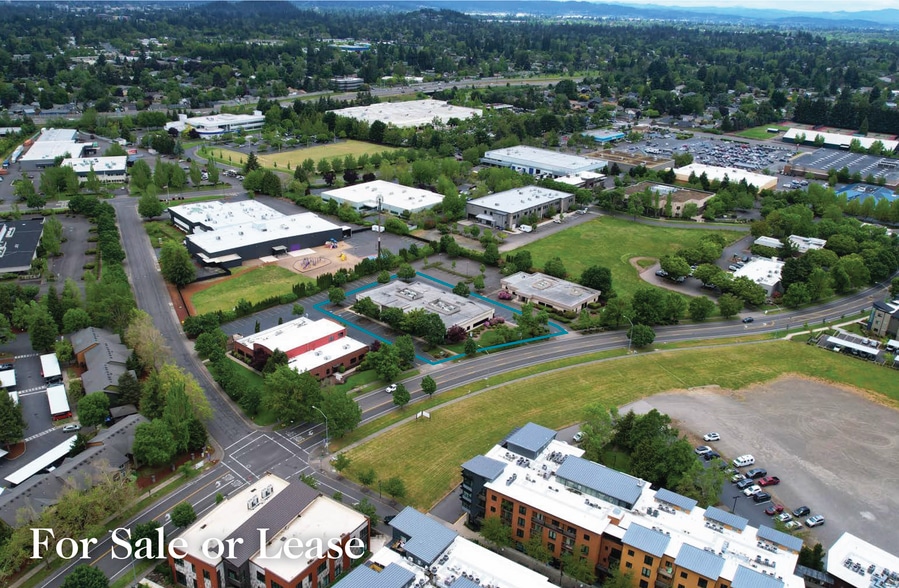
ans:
(604, 135)
(451, 308)
(835, 140)
(541, 163)
(854, 563)
(52, 143)
(214, 125)
(506, 210)
(734, 176)
(764, 272)
(416, 113)
(198, 217)
(555, 293)
(108, 169)
(19, 240)
(394, 198)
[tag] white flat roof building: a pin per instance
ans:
(395, 198)
(805, 244)
(208, 216)
(415, 113)
(113, 168)
(581, 179)
(505, 209)
(546, 290)
(763, 271)
(451, 308)
(218, 124)
(858, 563)
(541, 162)
(734, 175)
(49, 135)
(247, 235)
(311, 360)
(295, 334)
(43, 152)
(836, 139)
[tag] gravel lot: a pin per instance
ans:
(833, 448)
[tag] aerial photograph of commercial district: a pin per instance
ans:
(449, 293)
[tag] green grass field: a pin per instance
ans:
(612, 243)
(252, 284)
(426, 454)
(161, 231)
(297, 156)
(761, 133)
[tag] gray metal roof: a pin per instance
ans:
(779, 537)
(714, 513)
(675, 499)
(532, 437)
(820, 577)
(393, 576)
(464, 583)
(601, 479)
(704, 563)
(747, 578)
(427, 537)
(84, 338)
(484, 466)
(648, 540)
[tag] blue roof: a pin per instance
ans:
(393, 576)
(714, 513)
(532, 437)
(484, 466)
(648, 540)
(781, 538)
(464, 583)
(865, 191)
(427, 538)
(704, 563)
(601, 479)
(676, 499)
(747, 578)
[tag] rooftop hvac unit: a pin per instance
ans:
(253, 503)
(267, 491)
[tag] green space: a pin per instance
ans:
(251, 284)
(161, 231)
(612, 243)
(296, 157)
(464, 429)
(761, 133)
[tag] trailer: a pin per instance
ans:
(59, 403)
(50, 369)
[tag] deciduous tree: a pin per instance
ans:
(183, 515)
(153, 443)
(176, 265)
(401, 396)
(93, 409)
(428, 385)
(12, 422)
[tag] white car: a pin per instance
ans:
(793, 525)
(736, 478)
(71, 428)
(711, 437)
(752, 490)
(390, 389)
(702, 450)
(578, 436)
(784, 517)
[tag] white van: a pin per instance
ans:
(525, 228)
(743, 461)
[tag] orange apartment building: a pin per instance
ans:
(539, 485)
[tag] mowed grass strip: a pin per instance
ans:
(297, 156)
(612, 243)
(427, 454)
(761, 133)
(252, 284)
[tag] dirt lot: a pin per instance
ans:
(835, 449)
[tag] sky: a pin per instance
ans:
(797, 5)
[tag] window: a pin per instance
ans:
(644, 584)
(521, 522)
(205, 574)
(702, 583)
(260, 576)
(555, 523)
(552, 535)
(493, 497)
(585, 550)
(646, 572)
(551, 547)
(683, 574)
(322, 567)
(276, 585)
(629, 565)
(647, 559)
(519, 533)
(681, 586)
(587, 538)
(630, 552)
(492, 509)
(522, 510)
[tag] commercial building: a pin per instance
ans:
(855, 563)
(49, 145)
(764, 272)
(19, 240)
(585, 179)
(347, 83)
(542, 487)
(214, 125)
(423, 552)
(808, 137)
(884, 318)
(107, 169)
(451, 308)
(604, 135)
(394, 198)
(800, 244)
(555, 293)
(416, 113)
(290, 513)
(678, 195)
(862, 192)
(330, 357)
(733, 175)
(201, 217)
(506, 210)
(541, 163)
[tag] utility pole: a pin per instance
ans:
(380, 229)
(326, 442)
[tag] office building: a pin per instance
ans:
(394, 198)
(543, 290)
(717, 174)
(506, 210)
(215, 125)
(541, 163)
(452, 309)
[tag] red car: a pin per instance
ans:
(768, 481)
(774, 509)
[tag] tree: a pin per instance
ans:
(598, 429)
(73, 320)
(812, 558)
(461, 289)
(478, 283)
(641, 335)
(578, 567)
(367, 508)
(401, 396)
(340, 462)
(395, 488)
(471, 347)
(183, 514)
(153, 443)
(336, 295)
(598, 278)
(405, 272)
(428, 385)
(178, 416)
(252, 164)
(491, 253)
(554, 267)
(405, 349)
(43, 331)
(385, 362)
(85, 576)
(797, 295)
(176, 265)
(212, 172)
(291, 395)
(433, 330)
(144, 531)
(536, 549)
(675, 265)
(93, 409)
(147, 342)
(344, 414)
(6, 334)
(493, 529)
(12, 423)
(700, 308)
(729, 305)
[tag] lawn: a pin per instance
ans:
(161, 231)
(426, 454)
(761, 133)
(297, 156)
(253, 285)
(611, 243)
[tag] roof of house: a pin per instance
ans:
(675, 499)
(648, 540)
(779, 537)
(747, 578)
(427, 537)
(601, 479)
(713, 513)
(392, 576)
(532, 437)
(85, 338)
(484, 466)
(705, 563)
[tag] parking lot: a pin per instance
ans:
(752, 156)
(826, 159)
(835, 451)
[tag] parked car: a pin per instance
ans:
(745, 483)
(774, 509)
(769, 481)
(711, 437)
(815, 521)
(801, 511)
(761, 497)
(784, 517)
(743, 461)
(711, 455)
(71, 428)
(702, 450)
(756, 473)
(390, 389)
(793, 525)
(752, 489)
(578, 436)
(737, 478)
(662, 273)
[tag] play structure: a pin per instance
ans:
(331, 243)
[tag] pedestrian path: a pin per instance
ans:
(30, 391)
(41, 434)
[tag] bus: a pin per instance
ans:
(59, 403)
(50, 369)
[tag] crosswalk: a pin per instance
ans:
(26, 355)
(30, 391)
(41, 434)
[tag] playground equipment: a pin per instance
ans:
(311, 262)
(331, 243)
(342, 257)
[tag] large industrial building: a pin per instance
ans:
(554, 293)
(394, 198)
(226, 234)
(451, 308)
(541, 163)
(416, 113)
(107, 169)
(19, 240)
(506, 210)
(539, 486)
(808, 137)
(733, 175)
(214, 125)
(51, 144)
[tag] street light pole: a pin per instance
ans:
(325, 448)
(380, 229)
(734, 509)
(631, 338)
